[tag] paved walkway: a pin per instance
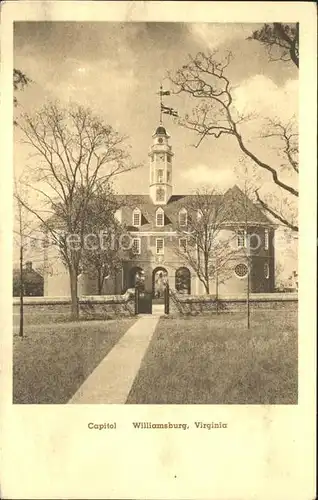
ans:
(112, 379)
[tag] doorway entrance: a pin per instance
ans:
(159, 279)
(133, 275)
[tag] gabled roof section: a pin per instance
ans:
(240, 208)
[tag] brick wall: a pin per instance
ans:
(193, 305)
(95, 307)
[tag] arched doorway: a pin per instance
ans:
(133, 273)
(159, 278)
(183, 280)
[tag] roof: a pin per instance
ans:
(235, 199)
(240, 209)
(161, 131)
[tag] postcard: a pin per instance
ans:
(158, 250)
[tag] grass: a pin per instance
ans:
(42, 318)
(216, 360)
(52, 361)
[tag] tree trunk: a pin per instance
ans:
(21, 292)
(100, 282)
(74, 297)
(206, 272)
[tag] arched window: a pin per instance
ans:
(266, 270)
(136, 217)
(183, 217)
(160, 218)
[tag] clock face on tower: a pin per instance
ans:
(161, 157)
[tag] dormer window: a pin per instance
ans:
(183, 217)
(136, 218)
(160, 218)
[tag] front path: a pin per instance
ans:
(112, 380)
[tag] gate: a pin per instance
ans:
(143, 301)
(166, 298)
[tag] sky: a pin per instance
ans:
(117, 68)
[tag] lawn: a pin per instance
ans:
(216, 360)
(53, 360)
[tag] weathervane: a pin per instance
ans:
(165, 109)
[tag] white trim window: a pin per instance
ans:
(136, 246)
(266, 239)
(183, 217)
(160, 218)
(266, 270)
(183, 244)
(241, 238)
(160, 246)
(136, 218)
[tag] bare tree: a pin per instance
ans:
(200, 243)
(281, 41)
(26, 230)
(284, 140)
(244, 227)
(76, 154)
(244, 202)
(20, 80)
(204, 79)
(102, 253)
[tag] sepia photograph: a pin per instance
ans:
(155, 224)
(158, 250)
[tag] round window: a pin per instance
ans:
(241, 270)
(160, 140)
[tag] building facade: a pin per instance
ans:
(154, 220)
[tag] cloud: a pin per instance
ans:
(213, 35)
(203, 175)
(261, 95)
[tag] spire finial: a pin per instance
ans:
(165, 109)
(160, 94)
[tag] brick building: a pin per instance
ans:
(152, 220)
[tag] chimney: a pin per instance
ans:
(28, 266)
